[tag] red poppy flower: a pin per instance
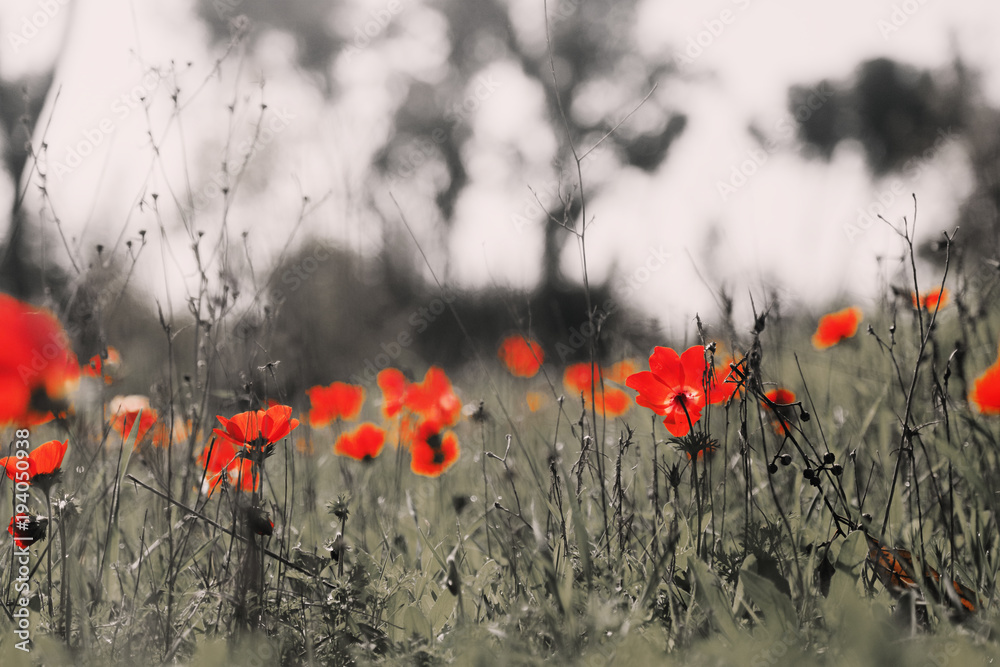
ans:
(27, 529)
(785, 401)
(363, 444)
(934, 299)
(240, 475)
(522, 356)
(221, 463)
(393, 384)
(126, 409)
(675, 387)
(610, 402)
(215, 459)
(257, 427)
(338, 401)
(781, 396)
(161, 432)
(432, 450)
(619, 372)
(37, 367)
(97, 367)
(535, 400)
(434, 399)
(43, 461)
(985, 394)
(835, 327)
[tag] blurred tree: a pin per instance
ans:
(21, 104)
(901, 116)
(592, 54)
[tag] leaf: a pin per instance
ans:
(713, 598)
(416, 623)
(441, 612)
(778, 610)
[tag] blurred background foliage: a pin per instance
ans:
(894, 110)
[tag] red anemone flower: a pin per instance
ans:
(610, 402)
(364, 443)
(27, 529)
(835, 327)
(43, 462)
(97, 366)
(257, 427)
(934, 299)
(221, 463)
(126, 409)
(161, 432)
(432, 450)
(393, 384)
(522, 356)
(338, 401)
(785, 400)
(434, 399)
(37, 367)
(536, 400)
(675, 387)
(619, 372)
(985, 394)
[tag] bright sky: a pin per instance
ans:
(786, 227)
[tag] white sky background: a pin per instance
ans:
(784, 228)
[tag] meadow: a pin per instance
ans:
(790, 488)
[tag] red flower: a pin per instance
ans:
(610, 402)
(432, 450)
(161, 432)
(675, 387)
(785, 401)
(37, 367)
(338, 401)
(44, 460)
(934, 299)
(985, 392)
(393, 383)
(523, 357)
(835, 327)
(257, 427)
(97, 366)
(363, 444)
(221, 463)
(434, 399)
(126, 409)
(619, 372)
(535, 400)
(27, 530)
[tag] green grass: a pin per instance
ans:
(539, 554)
